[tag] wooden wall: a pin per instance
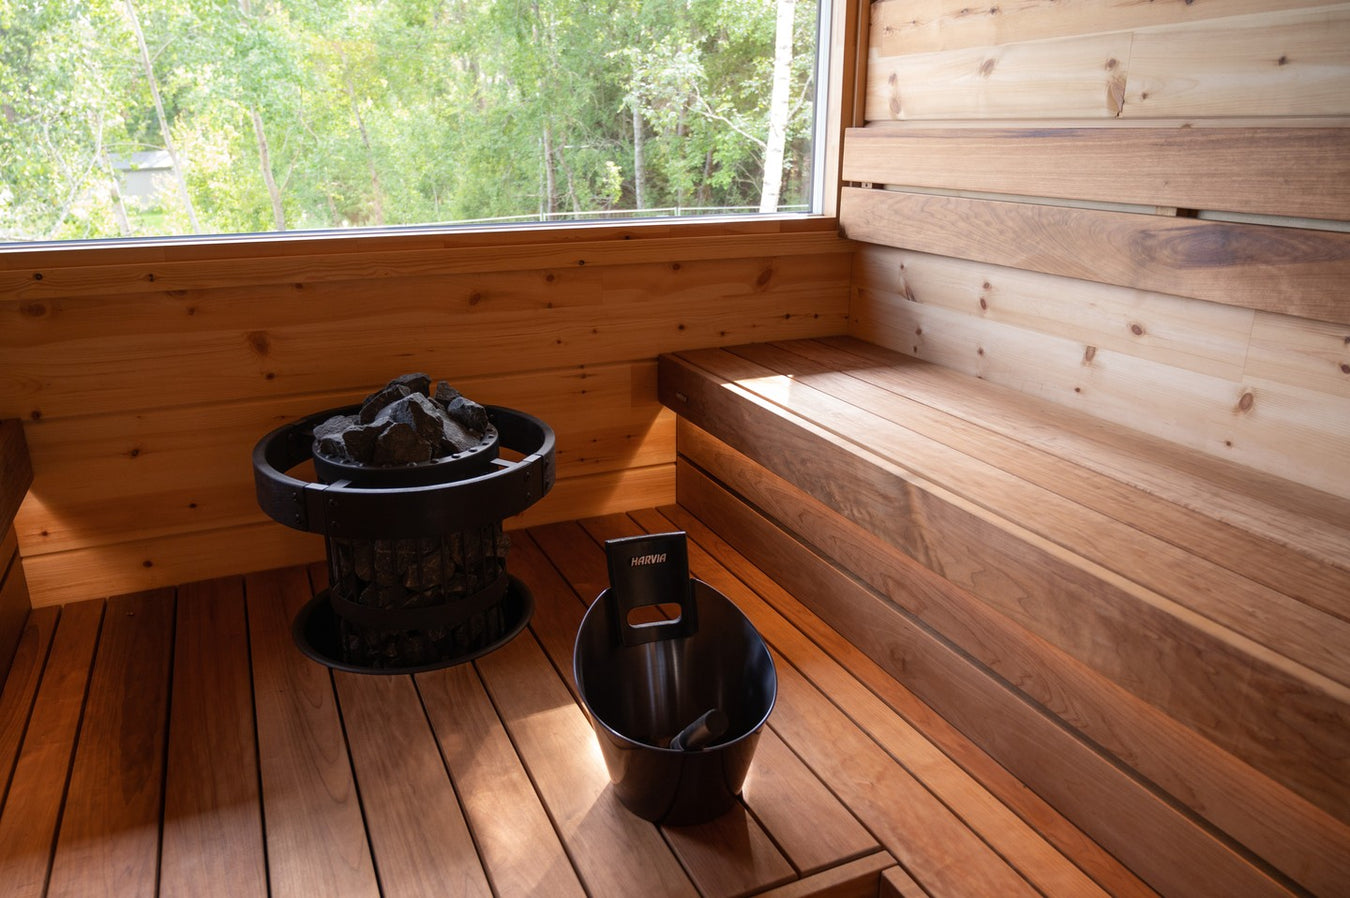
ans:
(1135, 209)
(145, 375)
(16, 474)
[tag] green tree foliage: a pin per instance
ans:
(305, 114)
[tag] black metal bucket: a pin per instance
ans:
(643, 684)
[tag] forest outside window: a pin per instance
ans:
(171, 118)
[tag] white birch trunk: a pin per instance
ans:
(778, 107)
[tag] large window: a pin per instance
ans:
(136, 118)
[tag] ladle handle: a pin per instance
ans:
(709, 727)
(650, 570)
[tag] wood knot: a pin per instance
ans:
(1089, 354)
(764, 277)
(1283, 60)
(1246, 402)
(987, 67)
(1137, 330)
(259, 342)
(475, 298)
(34, 309)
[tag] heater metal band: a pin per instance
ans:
(341, 510)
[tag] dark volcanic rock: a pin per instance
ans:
(401, 425)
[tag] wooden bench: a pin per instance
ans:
(16, 476)
(1156, 642)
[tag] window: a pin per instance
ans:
(140, 118)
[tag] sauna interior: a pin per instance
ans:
(1029, 459)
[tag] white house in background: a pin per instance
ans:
(144, 175)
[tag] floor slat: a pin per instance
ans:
(212, 844)
(32, 812)
(316, 837)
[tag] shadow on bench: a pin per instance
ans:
(1151, 639)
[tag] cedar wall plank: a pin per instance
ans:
(1279, 171)
(213, 823)
(1215, 685)
(109, 839)
(32, 812)
(1280, 430)
(150, 562)
(921, 26)
(190, 468)
(1126, 817)
(1291, 63)
(1288, 270)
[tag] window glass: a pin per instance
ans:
(138, 118)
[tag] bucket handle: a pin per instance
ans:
(650, 570)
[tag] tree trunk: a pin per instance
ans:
(163, 120)
(377, 192)
(550, 179)
(265, 160)
(778, 107)
(639, 164)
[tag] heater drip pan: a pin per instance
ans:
(317, 633)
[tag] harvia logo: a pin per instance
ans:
(639, 560)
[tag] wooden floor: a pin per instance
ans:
(176, 743)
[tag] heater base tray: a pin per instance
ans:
(315, 631)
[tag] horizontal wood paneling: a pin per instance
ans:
(921, 26)
(1288, 270)
(1076, 359)
(1280, 171)
(1287, 63)
(145, 375)
(116, 567)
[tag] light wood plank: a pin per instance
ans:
(1080, 77)
(520, 850)
(188, 468)
(20, 689)
(1293, 516)
(918, 26)
(221, 352)
(1275, 269)
(418, 834)
(1276, 63)
(109, 838)
(62, 274)
(1289, 433)
(1012, 792)
(1127, 818)
(1310, 355)
(1025, 850)
(316, 838)
(1299, 172)
(213, 835)
(613, 851)
(32, 811)
(1043, 586)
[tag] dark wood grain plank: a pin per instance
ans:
(316, 837)
(420, 840)
(21, 689)
(32, 810)
(213, 835)
(109, 839)
(519, 847)
(1287, 270)
(1303, 172)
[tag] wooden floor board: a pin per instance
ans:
(37, 791)
(181, 745)
(212, 843)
